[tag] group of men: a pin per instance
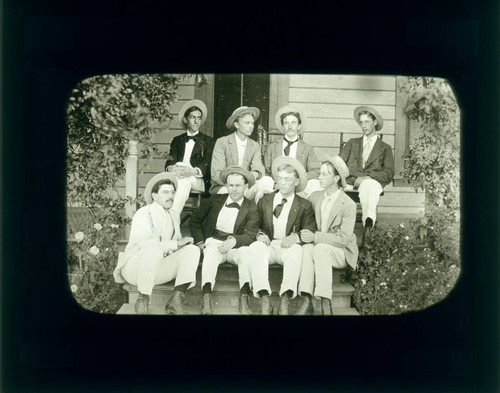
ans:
(287, 208)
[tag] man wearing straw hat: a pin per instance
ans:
(334, 244)
(370, 162)
(190, 153)
(156, 252)
(290, 121)
(240, 150)
(282, 215)
(220, 226)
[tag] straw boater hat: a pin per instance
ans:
(286, 109)
(296, 165)
(242, 110)
(189, 104)
(155, 179)
(237, 169)
(341, 167)
(380, 121)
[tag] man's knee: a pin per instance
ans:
(321, 252)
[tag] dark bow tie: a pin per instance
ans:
(287, 148)
(192, 137)
(233, 204)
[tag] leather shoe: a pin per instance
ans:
(265, 305)
(284, 304)
(206, 304)
(326, 306)
(244, 306)
(306, 307)
(141, 305)
(175, 305)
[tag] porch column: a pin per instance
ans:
(131, 182)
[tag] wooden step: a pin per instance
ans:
(159, 309)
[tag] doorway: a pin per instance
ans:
(234, 90)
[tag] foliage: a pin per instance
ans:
(103, 113)
(394, 276)
(433, 157)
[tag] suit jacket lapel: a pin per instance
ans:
(242, 213)
(335, 210)
(268, 213)
(300, 150)
(359, 151)
(317, 210)
(294, 210)
(233, 148)
(376, 151)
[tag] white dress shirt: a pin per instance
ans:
(371, 142)
(227, 216)
(279, 224)
(188, 150)
(326, 208)
(242, 146)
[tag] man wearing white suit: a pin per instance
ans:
(334, 244)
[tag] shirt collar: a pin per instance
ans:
(229, 200)
(371, 140)
(239, 141)
(189, 134)
(288, 199)
(285, 138)
(332, 196)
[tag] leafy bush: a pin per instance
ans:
(103, 113)
(433, 159)
(394, 275)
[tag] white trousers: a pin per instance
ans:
(369, 195)
(259, 258)
(212, 258)
(264, 185)
(184, 187)
(317, 263)
(148, 268)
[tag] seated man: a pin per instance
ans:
(290, 121)
(238, 149)
(334, 244)
(156, 253)
(370, 162)
(282, 215)
(220, 226)
(190, 154)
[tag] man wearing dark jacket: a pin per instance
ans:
(282, 215)
(370, 162)
(190, 153)
(220, 226)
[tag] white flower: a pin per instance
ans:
(382, 284)
(404, 273)
(94, 250)
(407, 238)
(79, 236)
(434, 271)
(402, 225)
(432, 227)
(114, 226)
(400, 306)
(363, 281)
(74, 288)
(98, 226)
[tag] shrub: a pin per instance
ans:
(395, 276)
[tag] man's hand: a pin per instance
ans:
(262, 237)
(186, 171)
(176, 170)
(360, 179)
(289, 241)
(307, 236)
(184, 241)
(226, 245)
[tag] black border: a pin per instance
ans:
(48, 343)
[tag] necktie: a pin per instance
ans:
(279, 208)
(287, 148)
(233, 204)
(366, 152)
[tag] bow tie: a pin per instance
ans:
(233, 204)
(192, 137)
(287, 148)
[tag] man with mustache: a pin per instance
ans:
(156, 252)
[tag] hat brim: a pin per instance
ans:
(189, 104)
(155, 179)
(283, 160)
(236, 169)
(255, 112)
(285, 109)
(380, 120)
(340, 166)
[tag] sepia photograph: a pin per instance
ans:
(262, 194)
